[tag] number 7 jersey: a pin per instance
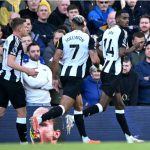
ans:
(113, 39)
(75, 46)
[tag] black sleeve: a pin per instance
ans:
(91, 44)
(122, 42)
(13, 48)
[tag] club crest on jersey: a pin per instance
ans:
(14, 50)
(111, 32)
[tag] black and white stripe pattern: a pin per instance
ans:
(113, 39)
(12, 46)
(75, 46)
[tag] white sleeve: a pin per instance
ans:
(48, 85)
(34, 82)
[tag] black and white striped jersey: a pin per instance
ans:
(12, 46)
(112, 40)
(75, 46)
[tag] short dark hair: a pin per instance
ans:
(71, 7)
(138, 34)
(63, 27)
(118, 13)
(32, 44)
(60, 31)
(27, 17)
(17, 22)
(127, 58)
(145, 16)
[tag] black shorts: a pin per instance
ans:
(110, 83)
(71, 86)
(12, 91)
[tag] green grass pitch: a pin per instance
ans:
(78, 146)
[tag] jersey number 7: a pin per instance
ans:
(76, 47)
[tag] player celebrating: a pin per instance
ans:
(75, 48)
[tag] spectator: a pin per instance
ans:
(139, 54)
(117, 5)
(64, 28)
(31, 10)
(98, 16)
(9, 6)
(129, 83)
(48, 133)
(50, 50)
(84, 6)
(37, 87)
(35, 37)
(91, 87)
(7, 30)
(59, 15)
(11, 87)
(41, 26)
(135, 11)
(143, 70)
(145, 5)
(72, 11)
(26, 41)
(144, 26)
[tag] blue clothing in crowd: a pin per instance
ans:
(97, 18)
(91, 90)
(143, 70)
(26, 59)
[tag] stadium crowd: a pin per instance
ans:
(45, 23)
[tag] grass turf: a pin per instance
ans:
(78, 146)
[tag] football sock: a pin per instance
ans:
(93, 110)
(122, 121)
(22, 129)
(78, 117)
(53, 113)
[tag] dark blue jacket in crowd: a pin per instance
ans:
(45, 31)
(135, 14)
(143, 70)
(91, 90)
